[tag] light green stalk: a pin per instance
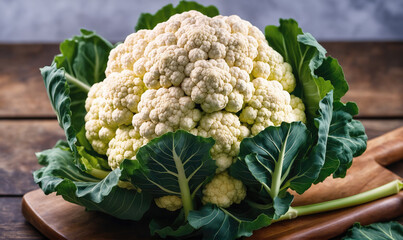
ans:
(76, 82)
(388, 189)
(186, 197)
(98, 173)
(278, 169)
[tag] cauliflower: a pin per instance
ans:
(213, 77)
(224, 190)
(169, 202)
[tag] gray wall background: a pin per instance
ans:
(55, 20)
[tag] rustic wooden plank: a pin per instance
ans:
(376, 127)
(21, 139)
(18, 143)
(22, 92)
(374, 71)
(47, 213)
(12, 223)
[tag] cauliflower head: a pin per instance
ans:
(214, 77)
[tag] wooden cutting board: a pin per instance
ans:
(58, 219)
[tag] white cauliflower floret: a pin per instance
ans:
(165, 110)
(209, 84)
(298, 109)
(110, 104)
(98, 133)
(126, 56)
(121, 93)
(169, 202)
(124, 145)
(270, 65)
(269, 106)
(228, 132)
(168, 69)
(224, 190)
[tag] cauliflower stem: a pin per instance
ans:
(386, 190)
(72, 80)
(183, 181)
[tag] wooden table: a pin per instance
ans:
(28, 124)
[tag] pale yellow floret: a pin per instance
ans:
(98, 132)
(270, 65)
(165, 110)
(224, 190)
(111, 104)
(228, 132)
(124, 145)
(269, 106)
(298, 109)
(169, 202)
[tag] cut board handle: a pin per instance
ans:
(388, 148)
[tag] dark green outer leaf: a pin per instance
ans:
(85, 58)
(312, 163)
(214, 223)
(162, 159)
(166, 226)
(376, 231)
(347, 139)
(268, 146)
(316, 76)
(149, 21)
(60, 175)
(169, 231)
(58, 93)
(331, 70)
(225, 224)
(239, 170)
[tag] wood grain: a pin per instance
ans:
(12, 223)
(373, 71)
(48, 213)
(375, 74)
(377, 127)
(18, 143)
(388, 148)
(22, 92)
